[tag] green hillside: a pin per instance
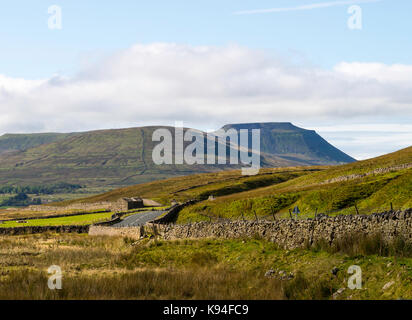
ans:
(19, 142)
(372, 185)
(98, 158)
(122, 157)
(199, 186)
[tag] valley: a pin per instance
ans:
(235, 237)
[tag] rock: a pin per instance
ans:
(270, 273)
(388, 285)
(338, 293)
(282, 273)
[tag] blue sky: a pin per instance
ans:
(321, 36)
(96, 31)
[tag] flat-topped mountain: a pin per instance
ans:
(120, 157)
(285, 140)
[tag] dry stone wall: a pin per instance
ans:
(38, 229)
(286, 233)
(76, 206)
(172, 213)
(374, 172)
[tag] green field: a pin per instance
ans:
(62, 221)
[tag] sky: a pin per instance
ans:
(209, 63)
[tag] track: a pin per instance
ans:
(138, 219)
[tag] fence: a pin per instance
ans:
(354, 210)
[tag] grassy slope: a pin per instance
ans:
(277, 190)
(200, 186)
(371, 193)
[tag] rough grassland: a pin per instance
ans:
(115, 268)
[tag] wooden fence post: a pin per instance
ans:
(357, 210)
(290, 213)
(254, 211)
(391, 206)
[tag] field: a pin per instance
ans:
(77, 220)
(116, 268)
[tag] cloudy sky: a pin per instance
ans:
(209, 63)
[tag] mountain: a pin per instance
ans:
(293, 143)
(121, 157)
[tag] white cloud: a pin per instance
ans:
(366, 140)
(311, 6)
(396, 74)
(203, 86)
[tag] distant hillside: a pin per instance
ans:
(123, 157)
(19, 142)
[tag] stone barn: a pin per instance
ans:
(126, 204)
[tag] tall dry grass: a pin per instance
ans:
(355, 244)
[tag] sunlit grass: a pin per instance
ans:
(116, 268)
(62, 221)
